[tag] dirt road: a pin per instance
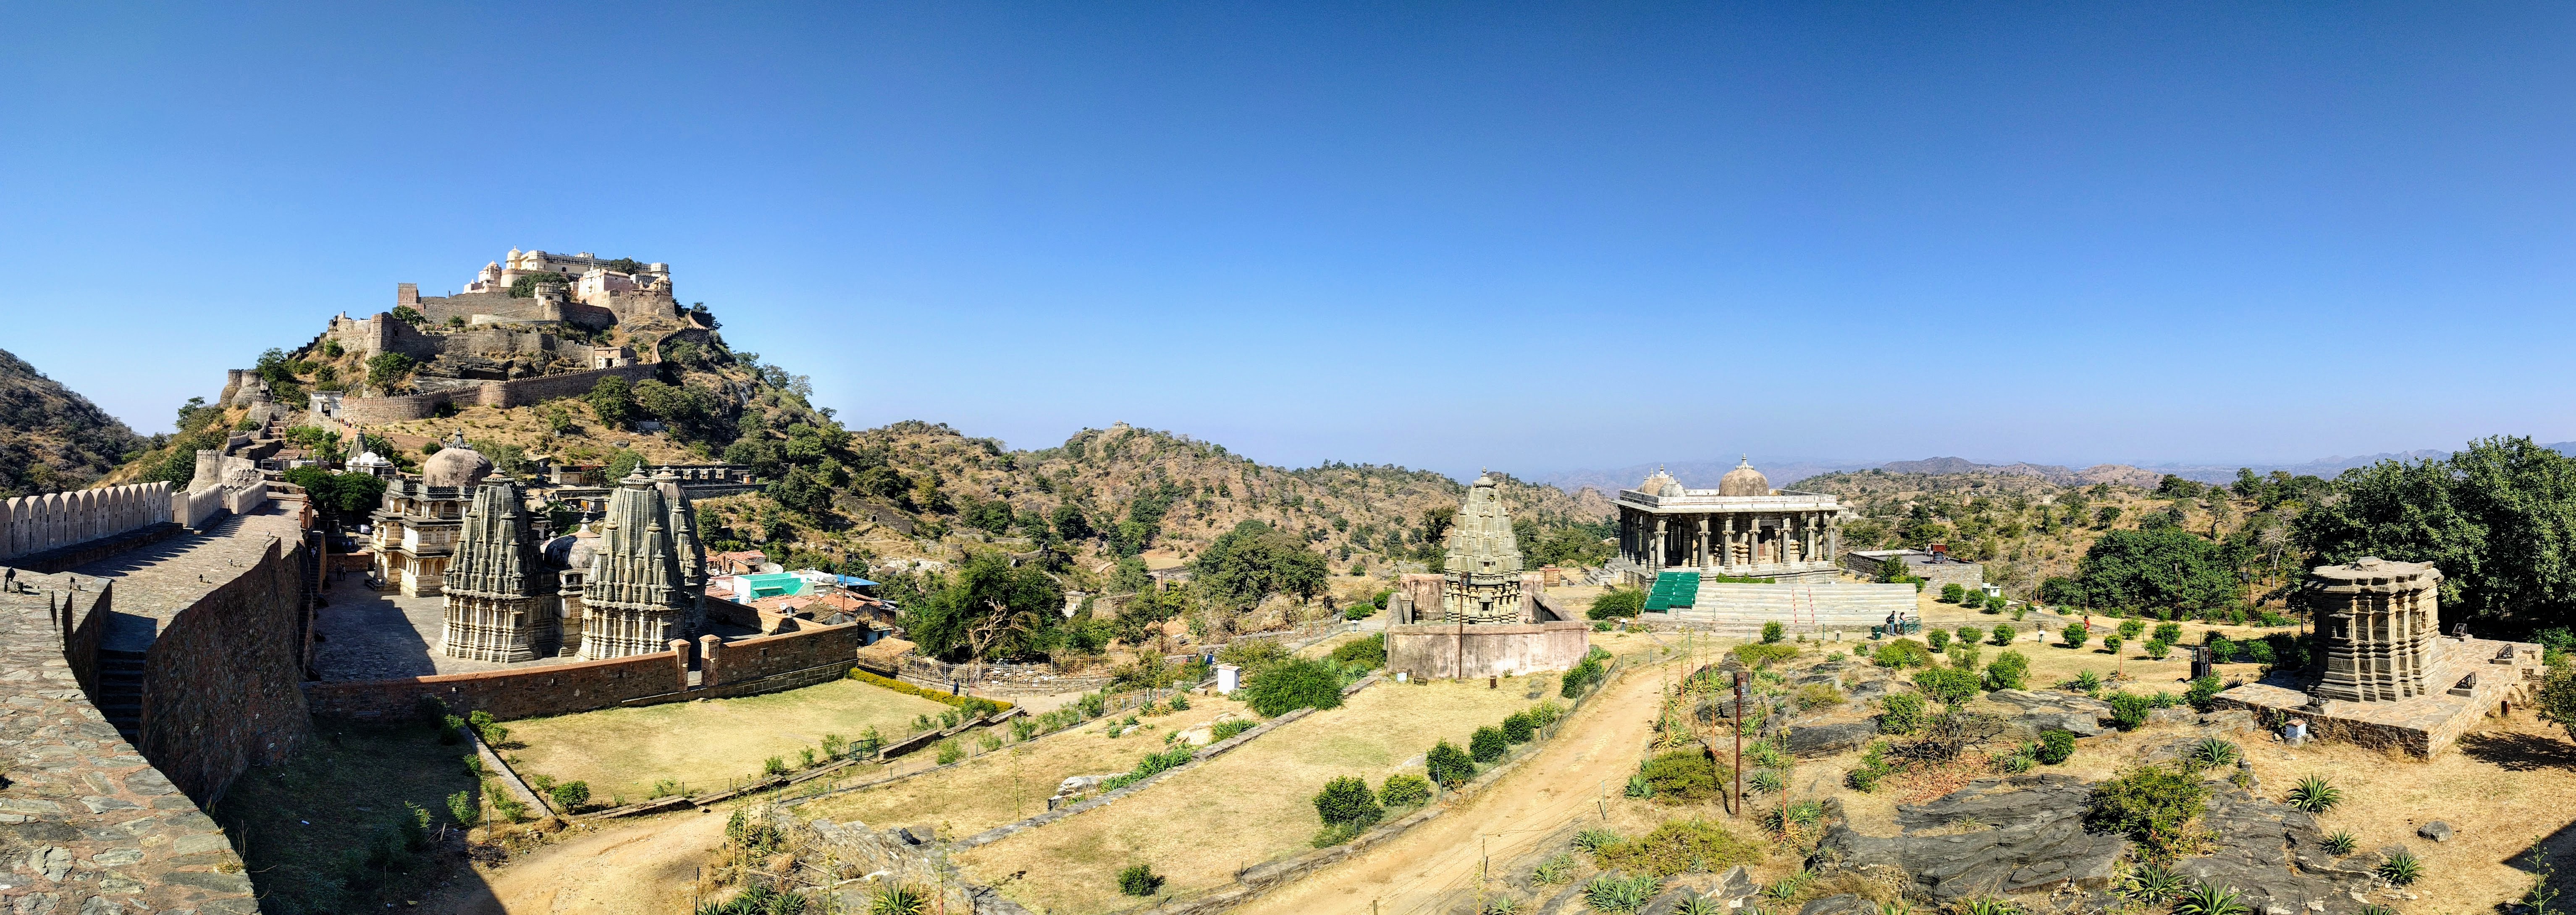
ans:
(639, 867)
(1408, 874)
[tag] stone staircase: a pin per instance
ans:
(120, 690)
(1729, 607)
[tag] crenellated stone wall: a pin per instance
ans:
(220, 681)
(35, 524)
(517, 393)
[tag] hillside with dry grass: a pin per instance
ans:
(51, 437)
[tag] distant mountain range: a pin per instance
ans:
(1704, 474)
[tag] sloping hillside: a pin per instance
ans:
(52, 439)
(2024, 527)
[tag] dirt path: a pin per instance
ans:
(1410, 873)
(641, 867)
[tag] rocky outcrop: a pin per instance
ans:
(2276, 858)
(1829, 739)
(2017, 834)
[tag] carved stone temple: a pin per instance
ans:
(2383, 674)
(1743, 528)
(1483, 615)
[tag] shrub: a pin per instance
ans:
(2314, 794)
(1995, 603)
(2129, 710)
(1294, 684)
(1939, 639)
(1487, 744)
(1952, 593)
(2154, 805)
(2075, 635)
(1902, 653)
(1347, 801)
(1639, 787)
(2157, 650)
(2112, 642)
(1818, 695)
(1873, 766)
(1617, 603)
(2203, 693)
(1517, 727)
(1678, 846)
(1404, 790)
(1971, 634)
(462, 809)
(2169, 633)
(2003, 634)
(2129, 628)
(777, 765)
(491, 731)
(1228, 728)
(1963, 655)
(1685, 776)
(1900, 713)
(1139, 880)
(1449, 765)
(1946, 685)
(949, 751)
(1592, 841)
(570, 796)
(1581, 677)
(1773, 632)
(2055, 746)
(2009, 671)
(1369, 652)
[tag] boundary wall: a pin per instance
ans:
(515, 393)
(1449, 651)
(35, 524)
(735, 668)
(220, 681)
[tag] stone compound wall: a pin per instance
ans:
(552, 689)
(1452, 651)
(562, 689)
(219, 683)
(87, 824)
(35, 524)
(517, 393)
(751, 659)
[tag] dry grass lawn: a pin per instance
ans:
(1254, 804)
(1014, 783)
(704, 744)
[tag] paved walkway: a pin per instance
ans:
(382, 635)
(156, 582)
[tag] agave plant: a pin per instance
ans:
(1787, 888)
(2213, 752)
(1988, 905)
(2086, 682)
(1593, 840)
(1897, 906)
(1700, 905)
(899, 900)
(2375, 909)
(2151, 885)
(2402, 868)
(2315, 795)
(2341, 842)
(2205, 899)
(1504, 906)
(1614, 893)
(1766, 781)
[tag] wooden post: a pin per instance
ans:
(1739, 743)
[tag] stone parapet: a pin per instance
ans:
(35, 524)
(1461, 650)
(515, 393)
(92, 826)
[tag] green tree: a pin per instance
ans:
(1130, 577)
(1618, 603)
(614, 400)
(988, 610)
(1253, 561)
(2498, 518)
(2557, 700)
(525, 287)
(385, 370)
(1347, 801)
(2164, 567)
(1292, 684)
(1072, 525)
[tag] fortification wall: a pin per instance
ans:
(220, 682)
(554, 689)
(91, 825)
(1450, 651)
(751, 659)
(35, 524)
(518, 393)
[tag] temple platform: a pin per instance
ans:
(2485, 677)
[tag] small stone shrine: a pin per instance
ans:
(1483, 615)
(2382, 673)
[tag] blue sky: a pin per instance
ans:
(1522, 236)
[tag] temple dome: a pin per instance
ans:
(1660, 484)
(454, 466)
(1744, 481)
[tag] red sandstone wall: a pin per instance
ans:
(555, 689)
(752, 659)
(219, 685)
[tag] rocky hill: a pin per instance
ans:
(2023, 526)
(51, 438)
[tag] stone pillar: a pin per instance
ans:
(1726, 549)
(707, 676)
(1699, 553)
(1658, 564)
(680, 655)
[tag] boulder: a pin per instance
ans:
(2229, 721)
(2030, 725)
(2174, 714)
(2437, 831)
(1840, 905)
(1869, 690)
(1829, 739)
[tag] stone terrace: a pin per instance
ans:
(155, 583)
(86, 825)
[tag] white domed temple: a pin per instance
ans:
(1742, 528)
